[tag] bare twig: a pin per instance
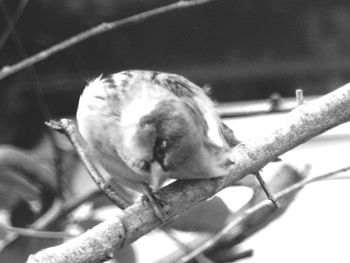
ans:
(200, 258)
(327, 175)
(265, 203)
(65, 209)
(102, 28)
(10, 23)
(57, 212)
(300, 125)
(38, 233)
(68, 127)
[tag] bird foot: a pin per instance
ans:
(156, 203)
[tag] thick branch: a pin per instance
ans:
(102, 28)
(303, 123)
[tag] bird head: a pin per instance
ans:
(161, 141)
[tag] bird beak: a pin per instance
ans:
(158, 175)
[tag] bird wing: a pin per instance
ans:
(197, 101)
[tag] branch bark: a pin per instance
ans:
(300, 125)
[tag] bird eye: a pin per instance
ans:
(160, 150)
(161, 147)
(145, 166)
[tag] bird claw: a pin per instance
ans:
(155, 202)
(146, 199)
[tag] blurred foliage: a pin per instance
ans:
(21, 119)
(27, 185)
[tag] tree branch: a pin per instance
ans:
(60, 210)
(37, 233)
(300, 125)
(102, 28)
(68, 127)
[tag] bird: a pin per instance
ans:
(146, 127)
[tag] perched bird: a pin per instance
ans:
(145, 127)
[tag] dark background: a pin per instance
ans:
(244, 49)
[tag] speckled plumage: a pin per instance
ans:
(146, 127)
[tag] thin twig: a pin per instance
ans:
(265, 203)
(102, 28)
(12, 236)
(57, 212)
(68, 127)
(327, 175)
(37, 233)
(65, 209)
(11, 28)
(11, 23)
(200, 258)
(345, 177)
